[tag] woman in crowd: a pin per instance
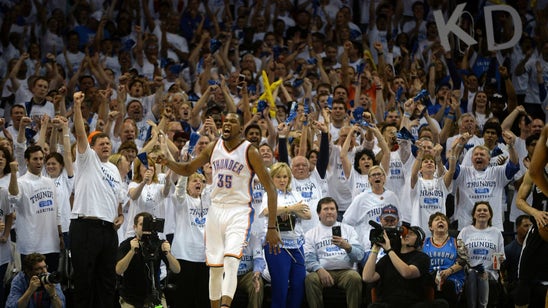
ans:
(6, 217)
(482, 241)
(287, 268)
(59, 168)
(445, 258)
(368, 205)
(363, 160)
(5, 159)
(430, 182)
(146, 194)
(192, 201)
(480, 109)
(123, 165)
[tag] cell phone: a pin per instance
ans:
(336, 230)
(241, 78)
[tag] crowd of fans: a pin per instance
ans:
(357, 101)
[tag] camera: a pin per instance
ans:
(150, 242)
(50, 278)
(153, 225)
(376, 234)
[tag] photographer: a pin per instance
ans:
(390, 221)
(34, 286)
(400, 276)
(134, 256)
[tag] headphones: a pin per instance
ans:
(418, 231)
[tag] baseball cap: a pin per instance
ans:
(389, 210)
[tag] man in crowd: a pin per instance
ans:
(401, 276)
(332, 251)
(33, 288)
(36, 208)
(96, 215)
(512, 252)
(135, 255)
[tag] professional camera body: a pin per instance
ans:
(150, 242)
(376, 234)
(50, 278)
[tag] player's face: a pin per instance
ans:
(231, 127)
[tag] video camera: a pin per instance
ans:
(376, 234)
(150, 242)
(153, 225)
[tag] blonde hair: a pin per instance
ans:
(278, 168)
(115, 158)
(192, 177)
(373, 168)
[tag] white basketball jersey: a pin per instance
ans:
(232, 175)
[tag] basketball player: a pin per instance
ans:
(234, 162)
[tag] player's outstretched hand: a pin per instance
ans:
(274, 241)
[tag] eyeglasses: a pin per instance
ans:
(374, 175)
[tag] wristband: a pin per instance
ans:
(374, 251)
(386, 252)
(271, 228)
(450, 117)
(67, 135)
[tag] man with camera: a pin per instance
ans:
(402, 276)
(331, 251)
(390, 221)
(139, 257)
(34, 286)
